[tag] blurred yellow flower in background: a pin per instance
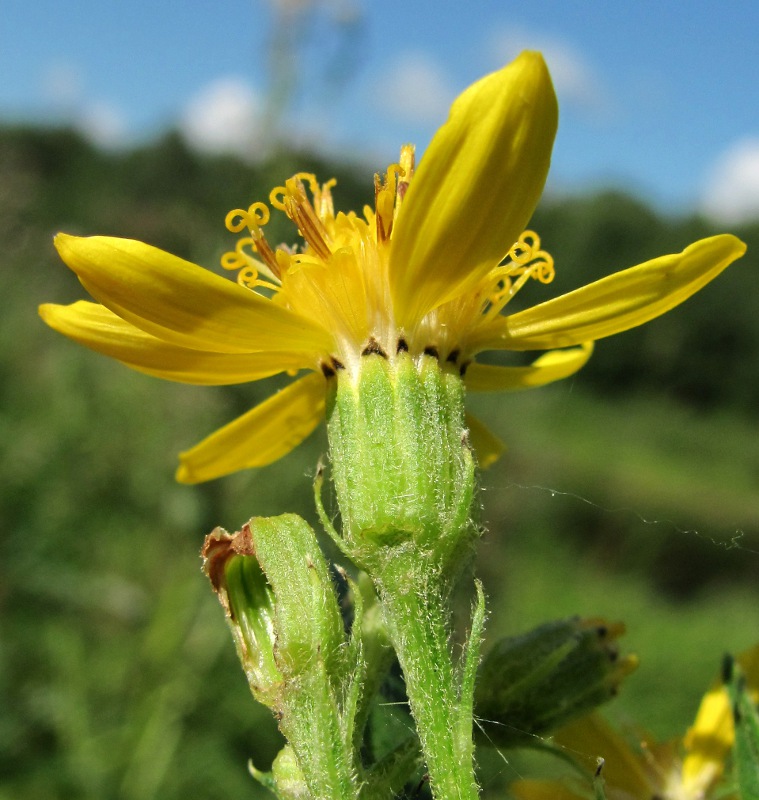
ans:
(684, 769)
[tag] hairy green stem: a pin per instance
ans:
(312, 724)
(418, 619)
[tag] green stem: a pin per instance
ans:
(312, 725)
(418, 617)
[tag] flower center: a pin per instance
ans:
(339, 279)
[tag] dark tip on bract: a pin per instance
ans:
(402, 346)
(373, 348)
(337, 364)
(431, 350)
(327, 370)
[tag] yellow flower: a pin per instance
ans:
(429, 269)
(686, 769)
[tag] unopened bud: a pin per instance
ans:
(273, 582)
(529, 685)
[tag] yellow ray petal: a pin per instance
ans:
(552, 366)
(486, 445)
(261, 436)
(183, 303)
(101, 330)
(709, 740)
(613, 304)
(476, 187)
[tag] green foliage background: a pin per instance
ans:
(629, 491)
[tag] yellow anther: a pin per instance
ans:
(323, 204)
(407, 160)
(283, 261)
(407, 165)
(293, 200)
(385, 193)
(396, 170)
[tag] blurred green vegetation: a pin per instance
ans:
(629, 491)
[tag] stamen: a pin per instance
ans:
(257, 215)
(407, 166)
(380, 210)
(268, 255)
(386, 199)
(249, 266)
(526, 260)
(292, 199)
(323, 204)
(253, 219)
(293, 185)
(526, 253)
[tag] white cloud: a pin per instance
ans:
(63, 84)
(575, 80)
(225, 116)
(731, 194)
(63, 87)
(102, 123)
(415, 89)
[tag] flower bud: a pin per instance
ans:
(288, 780)
(529, 685)
(273, 582)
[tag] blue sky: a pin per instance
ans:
(661, 98)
